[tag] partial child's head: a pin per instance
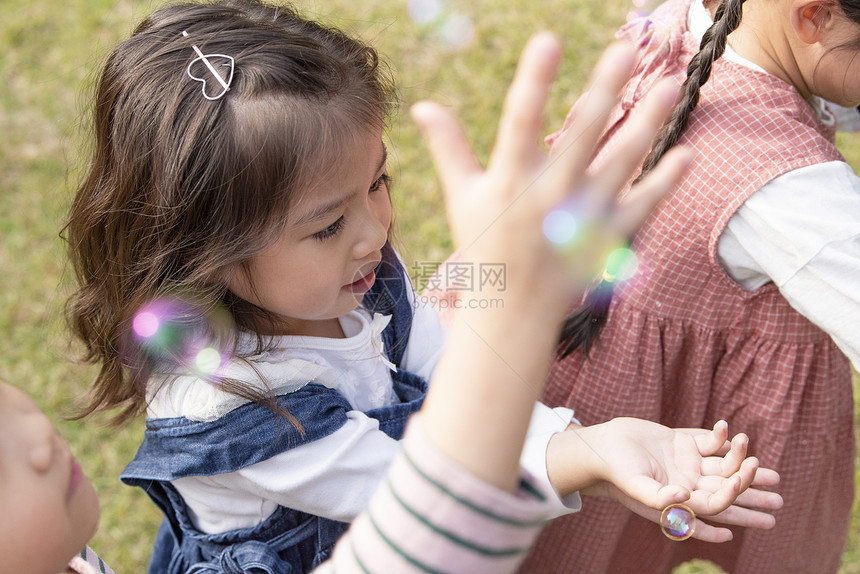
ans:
(195, 195)
(50, 509)
(828, 32)
(812, 44)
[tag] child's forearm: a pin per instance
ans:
(481, 423)
(571, 463)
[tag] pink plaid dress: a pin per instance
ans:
(684, 345)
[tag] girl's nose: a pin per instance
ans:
(374, 234)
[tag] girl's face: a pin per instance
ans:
(323, 263)
(49, 508)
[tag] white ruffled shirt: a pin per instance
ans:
(356, 366)
(801, 230)
(313, 477)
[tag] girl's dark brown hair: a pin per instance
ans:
(581, 329)
(181, 192)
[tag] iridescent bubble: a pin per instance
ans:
(208, 360)
(621, 265)
(424, 11)
(179, 334)
(450, 27)
(161, 325)
(560, 226)
(145, 324)
(458, 30)
(678, 522)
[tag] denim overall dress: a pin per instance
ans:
(288, 541)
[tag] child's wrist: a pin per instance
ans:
(572, 461)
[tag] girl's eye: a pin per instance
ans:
(384, 179)
(331, 230)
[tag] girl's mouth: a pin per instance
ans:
(363, 284)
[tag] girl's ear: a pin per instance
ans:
(810, 19)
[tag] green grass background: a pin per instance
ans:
(50, 51)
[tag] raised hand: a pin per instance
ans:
(495, 362)
(498, 214)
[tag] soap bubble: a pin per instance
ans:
(678, 522)
(450, 27)
(640, 9)
(177, 335)
(424, 11)
(621, 265)
(146, 324)
(208, 360)
(458, 30)
(561, 226)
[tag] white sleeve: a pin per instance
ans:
(802, 231)
(335, 476)
(847, 119)
(544, 423)
(332, 477)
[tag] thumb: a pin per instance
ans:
(654, 494)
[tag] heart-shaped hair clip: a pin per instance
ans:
(212, 62)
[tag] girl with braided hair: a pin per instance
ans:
(745, 303)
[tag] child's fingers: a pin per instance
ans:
(652, 493)
(746, 517)
(707, 501)
(522, 115)
(766, 477)
(714, 466)
(752, 508)
(710, 443)
(731, 462)
(708, 533)
(732, 514)
(704, 531)
(719, 468)
(574, 149)
(718, 479)
(452, 155)
(759, 499)
(747, 472)
(647, 193)
(715, 494)
(631, 150)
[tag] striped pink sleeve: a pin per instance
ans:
(88, 562)
(430, 515)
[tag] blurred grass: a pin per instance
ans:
(50, 54)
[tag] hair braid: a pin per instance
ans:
(581, 329)
(713, 45)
